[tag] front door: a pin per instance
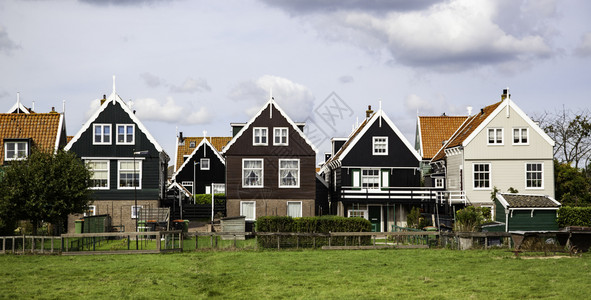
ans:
(375, 217)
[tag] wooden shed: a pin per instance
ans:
(523, 212)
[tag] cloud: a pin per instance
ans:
(346, 79)
(152, 80)
(415, 104)
(123, 2)
(150, 109)
(191, 86)
(584, 48)
(6, 44)
(323, 6)
(295, 99)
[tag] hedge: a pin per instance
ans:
(323, 224)
(206, 198)
(574, 216)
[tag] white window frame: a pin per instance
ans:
(202, 164)
(108, 174)
(192, 144)
(125, 134)
(520, 130)
(489, 176)
(277, 133)
(254, 213)
(541, 187)
(138, 169)
(187, 184)
(439, 182)
(91, 208)
(294, 202)
(16, 151)
(244, 185)
(134, 211)
(376, 142)
(261, 130)
(279, 174)
(354, 213)
(373, 176)
(495, 142)
(102, 141)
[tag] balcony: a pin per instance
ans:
(405, 195)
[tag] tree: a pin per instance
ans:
(573, 186)
(572, 134)
(44, 187)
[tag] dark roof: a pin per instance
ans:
(527, 201)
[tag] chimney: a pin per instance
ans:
(181, 136)
(505, 94)
(368, 112)
(53, 110)
(104, 99)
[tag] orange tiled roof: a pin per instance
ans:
(41, 128)
(436, 130)
(467, 128)
(185, 149)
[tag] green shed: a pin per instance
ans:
(523, 212)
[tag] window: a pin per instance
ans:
(439, 182)
(15, 150)
(192, 144)
(219, 188)
(357, 213)
(252, 173)
(102, 134)
(125, 134)
(130, 175)
(534, 174)
(259, 136)
(481, 176)
(495, 136)
(280, 136)
(294, 209)
(91, 211)
(248, 209)
(289, 173)
(520, 136)
(99, 180)
(380, 145)
(204, 164)
(188, 185)
(135, 211)
(370, 179)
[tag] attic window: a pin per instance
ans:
(380, 145)
(192, 144)
(260, 136)
(495, 136)
(125, 134)
(15, 150)
(102, 134)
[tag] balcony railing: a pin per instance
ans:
(421, 194)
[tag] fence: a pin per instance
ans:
(30, 244)
(122, 242)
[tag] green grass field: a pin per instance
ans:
(369, 274)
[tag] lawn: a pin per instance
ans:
(369, 274)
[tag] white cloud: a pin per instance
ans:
(295, 99)
(6, 44)
(170, 112)
(191, 86)
(152, 80)
(584, 48)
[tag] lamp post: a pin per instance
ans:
(135, 153)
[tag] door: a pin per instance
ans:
(375, 217)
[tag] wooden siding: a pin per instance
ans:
(542, 220)
(203, 178)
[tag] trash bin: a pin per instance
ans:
(178, 225)
(79, 225)
(141, 226)
(186, 227)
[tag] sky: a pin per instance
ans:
(195, 66)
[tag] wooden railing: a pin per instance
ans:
(30, 244)
(393, 193)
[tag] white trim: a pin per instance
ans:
(90, 208)
(439, 182)
(201, 164)
(280, 136)
(180, 187)
(139, 169)
(108, 173)
(520, 136)
(419, 137)
(124, 134)
(16, 142)
(373, 145)
(490, 185)
(204, 142)
(102, 126)
(254, 213)
(525, 174)
(287, 208)
(495, 130)
(266, 136)
(262, 173)
(114, 98)
(110, 158)
(452, 137)
(279, 174)
(59, 132)
(247, 125)
(364, 211)
(20, 106)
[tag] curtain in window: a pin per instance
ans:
(253, 171)
(288, 171)
(294, 209)
(248, 209)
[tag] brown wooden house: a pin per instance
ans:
(270, 167)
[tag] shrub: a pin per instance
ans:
(468, 219)
(574, 216)
(412, 219)
(206, 198)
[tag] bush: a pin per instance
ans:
(206, 198)
(412, 219)
(323, 224)
(574, 216)
(468, 219)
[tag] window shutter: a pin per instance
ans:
(385, 178)
(356, 180)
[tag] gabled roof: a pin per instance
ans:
(218, 142)
(204, 143)
(19, 108)
(114, 98)
(336, 159)
(527, 201)
(271, 103)
(44, 129)
(181, 188)
(435, 131)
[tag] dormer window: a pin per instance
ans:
(495, 136)
(102, 134)
(15, 150)
(260, 136)
(280, 137)
(125, 134)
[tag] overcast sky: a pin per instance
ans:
(199, 65)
